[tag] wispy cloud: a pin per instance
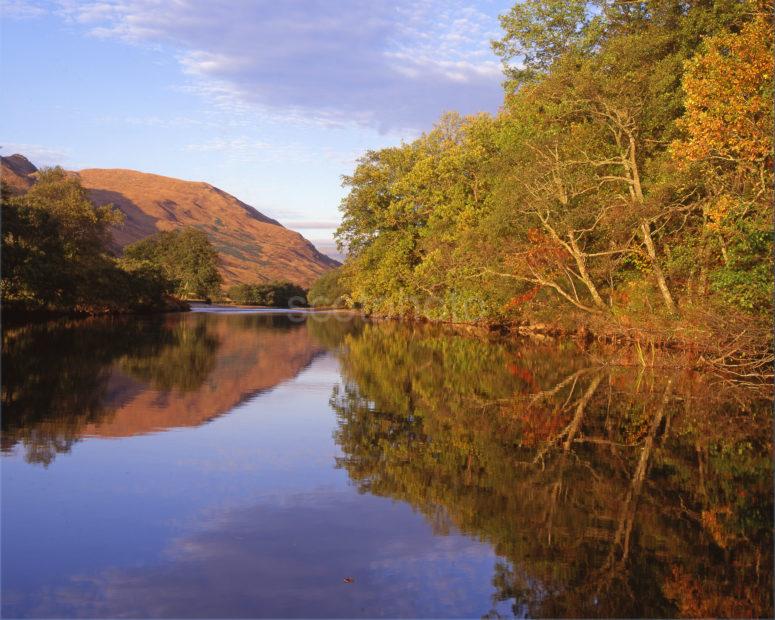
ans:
(391, 65)
(20, 9)
(246, 149)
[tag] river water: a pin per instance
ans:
(253, 464)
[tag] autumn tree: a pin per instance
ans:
(727, 139)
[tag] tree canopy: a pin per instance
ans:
(627, 177)
(273, 294)
(186, 257)
(55, 254)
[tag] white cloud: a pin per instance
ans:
(391, 65)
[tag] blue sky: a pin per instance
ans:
(271, 101)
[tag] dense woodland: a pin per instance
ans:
(625, 184)
(280, 294)
(186, 258)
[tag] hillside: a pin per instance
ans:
(252, 247)
(16, 172)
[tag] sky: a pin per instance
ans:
(270, 100)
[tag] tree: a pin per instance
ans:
(84, 228)
(539, 32)
(33, 255)
(330, 289)
(55, 257)
(186, 257)
(727, 139)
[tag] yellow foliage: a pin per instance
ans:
(718, 210)
(729, 97)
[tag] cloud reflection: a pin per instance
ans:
(288, 557)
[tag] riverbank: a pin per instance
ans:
(17, 314)
(736, 346)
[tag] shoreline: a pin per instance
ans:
(689, 345)
(725, 353)
(18, 316)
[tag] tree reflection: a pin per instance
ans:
(56, 375)
(607, 490)
(118, 377)
(181, 357)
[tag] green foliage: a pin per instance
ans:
(595, 188)
(274, 294)
(330, 290)
(186, 257)
(745, 281)
(538, 32)
(33, 255)
(54, 255)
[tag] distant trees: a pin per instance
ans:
(274, 294)
(55, 258)
(628, 176)
(185, 256)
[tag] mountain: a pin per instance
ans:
(252, 247)
(16, 171)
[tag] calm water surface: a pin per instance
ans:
(261, 464)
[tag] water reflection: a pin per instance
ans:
(466, 477)
(121, 377)
(249, 566)
(606, 490)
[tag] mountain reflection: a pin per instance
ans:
(116, 377)
(607, 489)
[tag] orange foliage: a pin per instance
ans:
(518, 300)
(729, 97)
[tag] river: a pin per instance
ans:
(264, 464)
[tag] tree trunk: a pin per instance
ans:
(585, 278)
(645, 228)
(575, 425)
